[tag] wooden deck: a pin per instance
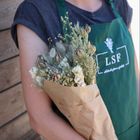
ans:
(14, 122)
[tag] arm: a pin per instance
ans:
(42, 119)
(136, 61)
(137, 74)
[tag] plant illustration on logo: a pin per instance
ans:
(109, 44)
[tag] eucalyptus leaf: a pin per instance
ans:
(60, 48)
(52, 52)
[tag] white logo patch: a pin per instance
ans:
(112, 61)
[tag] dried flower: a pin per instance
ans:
(52, 52)
(79, 76)
(33, 71)
(70, 61)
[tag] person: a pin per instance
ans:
(37, 21)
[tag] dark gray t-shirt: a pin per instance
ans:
(42, 16)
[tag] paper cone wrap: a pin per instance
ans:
(84, 108)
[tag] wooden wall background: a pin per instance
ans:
(14, 121)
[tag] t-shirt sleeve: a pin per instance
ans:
(125, 11)
(28, 15)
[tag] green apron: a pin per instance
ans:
(116, 76)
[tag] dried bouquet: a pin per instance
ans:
(67, 73)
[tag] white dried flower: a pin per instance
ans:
(77, 70)
(79, 76)
(39, 81)
(33, 71)
(64, 63)
(79, 82)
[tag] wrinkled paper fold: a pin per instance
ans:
(84, 108)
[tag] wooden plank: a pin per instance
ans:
(11, 104)
(7, 46)
(7, 11)
(9, 73)
(16, 129)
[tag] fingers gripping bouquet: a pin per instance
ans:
(67, 73)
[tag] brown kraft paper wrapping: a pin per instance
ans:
(84, 108)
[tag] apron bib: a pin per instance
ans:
(116, 76)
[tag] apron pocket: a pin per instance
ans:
(131, 133)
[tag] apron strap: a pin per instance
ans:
(111, 2)
(62, 10)
(61, 7)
